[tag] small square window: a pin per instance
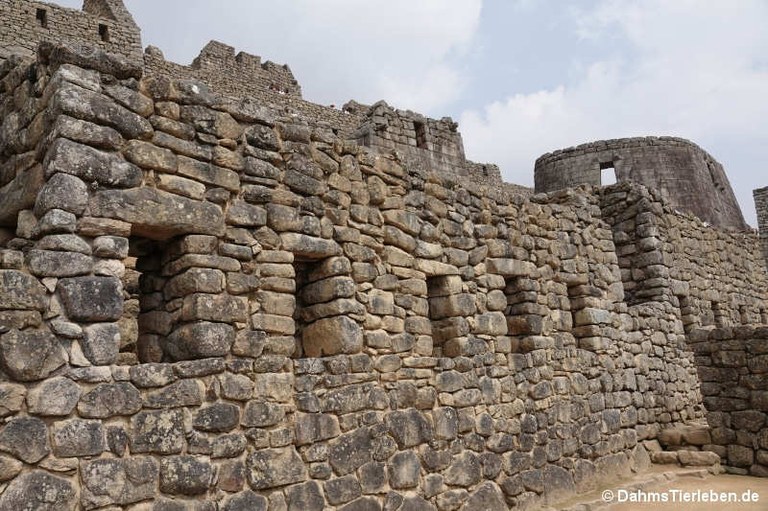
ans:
(42, 17)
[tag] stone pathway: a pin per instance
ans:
(673, 484)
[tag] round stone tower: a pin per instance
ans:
(689, 177)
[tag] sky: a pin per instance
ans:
(522, 77)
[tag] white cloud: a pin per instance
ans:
(687, 68)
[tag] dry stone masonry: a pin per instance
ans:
(689, 177)
(213, 302)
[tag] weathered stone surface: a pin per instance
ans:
(245, 501)
(90, 165)
(465, 470)
(19, 194)
(342, 490)
(404, 469)
(160, 432)
(258, 414)
(11, 398)
(217, 418)
(9, 468)
(220, 308)
(185, 475)
(24, 492)
(409, 428)
(19, 291)
(62, 191)
(186, 392)
(92, 299)
(351, 451)
(101, 343)
(315, 427)
(26, 438)
(310, 247)
(54, 397)
(149, 156)
(332, 336)
(118, 482)
(305, 497)
(270, 468)
(110, 399)
(199, 340)
(78, 437)
(30, 355)
(49, 263)
(487, 497)
(156, 214)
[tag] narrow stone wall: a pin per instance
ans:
(686, 175)
(104, 23)
(761, 206)
(733, 363)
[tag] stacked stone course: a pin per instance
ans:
(210, 302)
(688, 177)
(103, 23)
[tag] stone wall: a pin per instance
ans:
(733, 363)
(761, 207)
(204, 302)
(105, 23)
(244, 76)
(687, 176)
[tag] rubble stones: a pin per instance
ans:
(24, 493)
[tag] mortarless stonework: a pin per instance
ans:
(211, 303)
(761, 206)
(686, 174)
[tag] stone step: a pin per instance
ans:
(685, 435)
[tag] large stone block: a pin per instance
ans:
(332, 336)
(78, 437)
(198, 340)
(160, 432)
(185, 475)
(220, 308)
(109, 400)
(26, 438)
(101, 343)
(92, 299)
(270, 468)
(51, 263)
(90, 165)
(310, 247)
(30, 355)
(54, 397)
(351, 451)
(118, 482)
(20, 291)
(39, 491)
(159, 215)
(20, 194)
(62, 191)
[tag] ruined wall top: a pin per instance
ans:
(687, 175)
(104, 23)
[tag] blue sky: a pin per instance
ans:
(522, 77)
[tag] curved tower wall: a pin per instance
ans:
(689, 177)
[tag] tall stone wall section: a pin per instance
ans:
(104, 23)
(733, 363)
(687, 176)
(244, 76)
(205, 302)
(761, 207)
(423, 143)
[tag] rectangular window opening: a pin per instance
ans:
(763, 316)
(717, 314)
(421, 134)
(607, 174)
(523, 317)
(42, 17)
(104, 33)
(145, 302)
